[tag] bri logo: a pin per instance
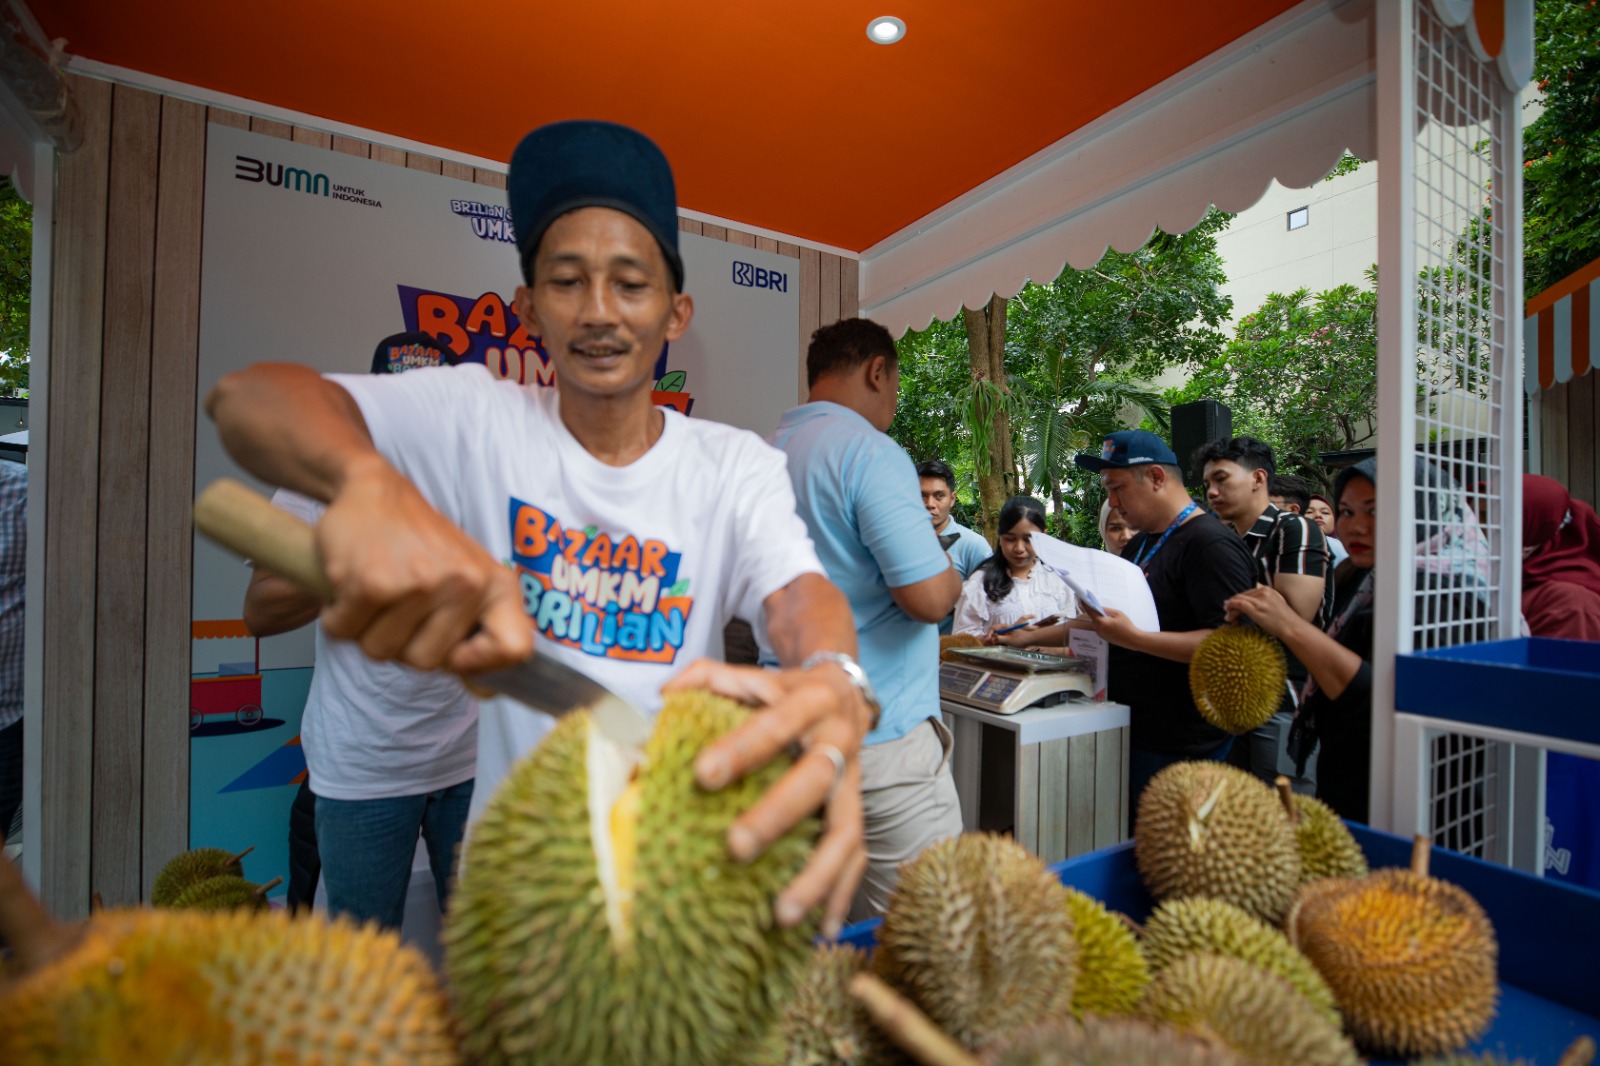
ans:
(755, 277)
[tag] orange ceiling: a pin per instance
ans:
(779, 115)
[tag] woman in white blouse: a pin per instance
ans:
(1011, 586)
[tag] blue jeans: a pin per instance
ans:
(1143, 765)
(367, 847)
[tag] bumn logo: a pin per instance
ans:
(755, 277)
(247, 169)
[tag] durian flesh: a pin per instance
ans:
(599, 916)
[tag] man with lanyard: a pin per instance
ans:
(465, 513)
(1193, 563)
(1291, 554)
(967, 549)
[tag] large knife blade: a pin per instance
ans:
(242, 520)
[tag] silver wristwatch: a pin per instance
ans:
(852, 670)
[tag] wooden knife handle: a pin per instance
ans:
(244, 521)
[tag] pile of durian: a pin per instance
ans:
(209, 879)
(599, 919)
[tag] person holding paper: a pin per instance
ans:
(1193, 563)
(1011, 588)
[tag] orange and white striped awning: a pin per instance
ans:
(1561, 333)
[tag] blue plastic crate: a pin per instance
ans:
(1549, 936)
(1534, 685)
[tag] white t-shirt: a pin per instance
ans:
(1039, 594)
(376, 730)
(628, 573)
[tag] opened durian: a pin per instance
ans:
(224, 893)
(1184, 926)
(234, 987)
(599, 916)
(1238, 677)
(1112, 972)
(979, 937)
(1108, 1042)
(1326, 847)
(1411, 959)
(1207, 829)
(192, 867)
(1256, 1013)
(823, 1025)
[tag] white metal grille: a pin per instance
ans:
(1459, 193)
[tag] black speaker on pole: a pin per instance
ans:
(1195, 425)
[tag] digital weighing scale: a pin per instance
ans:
(1008, 680)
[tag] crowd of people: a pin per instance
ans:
(457, 515)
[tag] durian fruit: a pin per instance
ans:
(823, 1025)
(1108, 1042)
(1256, 1013)
(214, 989)
(1411, 959)
(224, 893)
(1112, 972)
(192, 867)
(599, 916)
(1238, 677)
(1579, 1053)
(1208, 829)
(1182, 927)
(1326, 847)
(979, 937)
(956, 640)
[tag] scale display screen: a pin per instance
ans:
(958, 680)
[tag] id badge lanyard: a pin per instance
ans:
(1142, 561)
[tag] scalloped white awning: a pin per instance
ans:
(1284, 102)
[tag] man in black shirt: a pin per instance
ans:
(1193, 563)
(1291, 554)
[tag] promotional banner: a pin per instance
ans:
(313, 256)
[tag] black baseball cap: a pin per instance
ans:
(585, 163)
(1129, 447)
(407, 351)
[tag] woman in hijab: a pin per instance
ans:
(1115, 532)
(1560, 562)
(1335, 705)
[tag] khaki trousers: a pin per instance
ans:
(910, 802)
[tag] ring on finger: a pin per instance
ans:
(836, 757)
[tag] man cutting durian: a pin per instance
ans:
(462, 508)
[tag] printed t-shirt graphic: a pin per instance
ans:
(611, 595)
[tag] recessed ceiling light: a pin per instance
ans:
(885, 30)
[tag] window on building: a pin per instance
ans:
(1300, 218)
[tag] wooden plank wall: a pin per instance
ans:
(1569, 449)
(125, 303)
(829, 284)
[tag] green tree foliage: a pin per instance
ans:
(16, 286)
(1080, 353)
(1301, 374)
(1561, 148)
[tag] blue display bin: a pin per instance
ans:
(1532, 685)
(1549, 937)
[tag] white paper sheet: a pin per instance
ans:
(1100, 578)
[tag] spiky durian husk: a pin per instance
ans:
(979, 936)
(1208, 829)
(1256, 1013)
(822, 1024)
(704, 969)
(232, 987)
(1108, 1042)
(1237, 677)
(951, 641)
(220, 894)
(1326, 847)
(1112, 972)
(1488, 1058)
(1410, 959)
(191, 868)
(1184, 926)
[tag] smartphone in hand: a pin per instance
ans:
(1047, 620)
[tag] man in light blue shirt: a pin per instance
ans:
(856, 489)
(967, 549)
